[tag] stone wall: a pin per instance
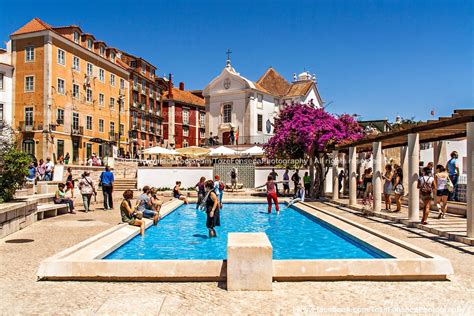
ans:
(15, 216)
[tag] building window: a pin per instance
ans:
(112, 127)
(76, 37)
(202, 119)
(61, 88)
(88, 149)
(101, 125)
(143, 86)
(227, 113)
(202, 134)
(75, 121)
(90, 69)
(135, 82)
(29, 54)
(102, 51)
(143, 68)
(259, 122)
(277, 103)
(29, 83)
(259, 101)
(134, 120)
(75, 91)
(101, 99)
(60, 147)
(143, 122)
(89, 96)
(1, 81)
(89, 123)
(112, 103)
(1, 113)
(60, 117)
(122, 84)
(101, 75)
(61, 57)
(185, 131)
(112, 56)
(185, 117)
(89, 44)
(112, 80)
(75, 63)
(122, 129)
(28, 146)
(185, 144)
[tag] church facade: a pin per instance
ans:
(241, 112)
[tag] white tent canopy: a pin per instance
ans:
(158, 151)
(254, 151)
(222, 151)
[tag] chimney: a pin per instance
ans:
(181, 86)
(170, 86)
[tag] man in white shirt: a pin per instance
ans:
(48, 176)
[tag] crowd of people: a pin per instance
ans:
(438, 184)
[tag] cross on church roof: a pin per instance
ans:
(228, 57)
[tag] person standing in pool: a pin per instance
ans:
(201, 191)
(219, 189)
(271, 194)
(212, 209)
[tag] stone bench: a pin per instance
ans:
(50, 210)
(249, 262)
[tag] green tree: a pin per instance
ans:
(13, 165)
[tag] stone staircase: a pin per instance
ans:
(122, 184)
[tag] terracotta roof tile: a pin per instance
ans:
(299, 88)
(273, 82)
(185, 96)
(35, 25)
(259, 87)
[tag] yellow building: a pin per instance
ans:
(68, 88)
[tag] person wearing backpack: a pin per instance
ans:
(426, 186)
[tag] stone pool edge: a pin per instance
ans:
(83, 261)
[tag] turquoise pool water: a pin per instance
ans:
(293, 234)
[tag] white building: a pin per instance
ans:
(6, 86)
(249, 108)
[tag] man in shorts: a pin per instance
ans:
(144, 205)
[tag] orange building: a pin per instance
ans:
(71, 94)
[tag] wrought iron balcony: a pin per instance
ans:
(77, 130)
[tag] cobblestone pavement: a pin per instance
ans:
(22, 294)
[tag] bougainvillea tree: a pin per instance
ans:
(302, 131)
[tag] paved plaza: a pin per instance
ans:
(23, 294)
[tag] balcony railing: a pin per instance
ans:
(243, 140)
(29, 126)
(77, 130)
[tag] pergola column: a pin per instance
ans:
(413, 170)
(335, 180)
(352, 176)
(439, 153)
(404, 165)
(470, 179)
(377, 175)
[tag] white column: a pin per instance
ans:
(377, 175)
(439, 153)
(352, 176)
(470, 179)
(413, 170)
(335, 181)
(404, 166)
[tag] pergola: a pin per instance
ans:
(459, 125)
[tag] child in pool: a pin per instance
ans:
(271, 193)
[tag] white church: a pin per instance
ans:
(246, 109)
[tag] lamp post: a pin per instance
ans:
(120, 101)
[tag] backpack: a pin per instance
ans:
(426, 187)
(221, 186)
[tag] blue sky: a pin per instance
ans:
(374, 58)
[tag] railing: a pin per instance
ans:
(243, 140)
(77, 130)
(113, 136)
(29, 126)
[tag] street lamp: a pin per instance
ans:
(121, 103)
